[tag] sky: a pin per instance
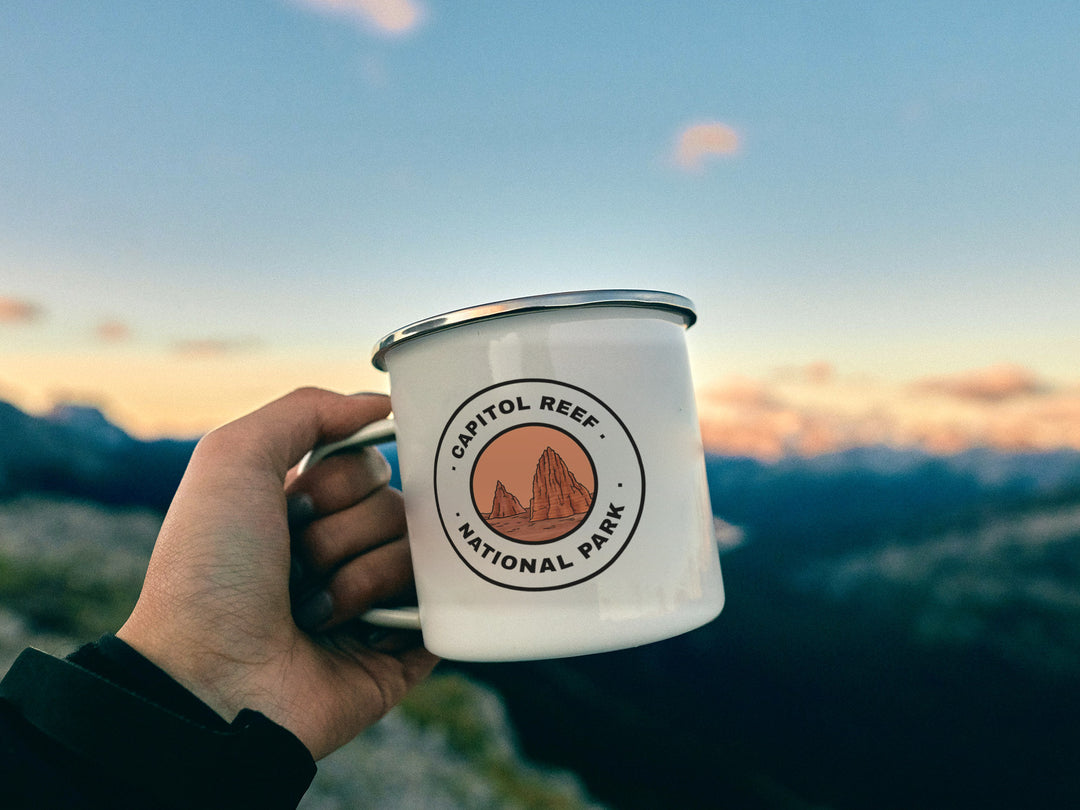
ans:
(874, 207)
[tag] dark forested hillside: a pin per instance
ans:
(902, 630)
(75, 451)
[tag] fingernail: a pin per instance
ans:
(378, 467)
(300, 510)
(314, 611)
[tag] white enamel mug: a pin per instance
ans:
(553, 473)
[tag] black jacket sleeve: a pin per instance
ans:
(107, 728)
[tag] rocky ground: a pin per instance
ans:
(70, 571)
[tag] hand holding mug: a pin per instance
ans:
(215, 609)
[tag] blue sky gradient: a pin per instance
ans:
(901, 196)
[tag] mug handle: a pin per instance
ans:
(374, 433)
(403, 618)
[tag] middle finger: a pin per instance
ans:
(330, 541)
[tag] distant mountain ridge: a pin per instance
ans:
(75, 451)
(831, 503)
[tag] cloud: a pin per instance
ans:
(699, 141)
(391, 17)
(16, 310)
(112, 332)
(739, 392)
(991, 384)
(815, 410)
(744, 417)
(208, 348)
(818, 372)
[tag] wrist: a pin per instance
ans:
(205, 675)
(150, 737)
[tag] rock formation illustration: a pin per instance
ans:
(505, 504)
(555, 491)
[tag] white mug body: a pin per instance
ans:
(554, 482)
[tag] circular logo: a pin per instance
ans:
(538, 484)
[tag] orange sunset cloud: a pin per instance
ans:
(112, 332)
(809, 412)
(213, 347)
(699, 141)
(16, 310)
(989, 384)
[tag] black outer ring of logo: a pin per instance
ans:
(438, 505)
(588, 455)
